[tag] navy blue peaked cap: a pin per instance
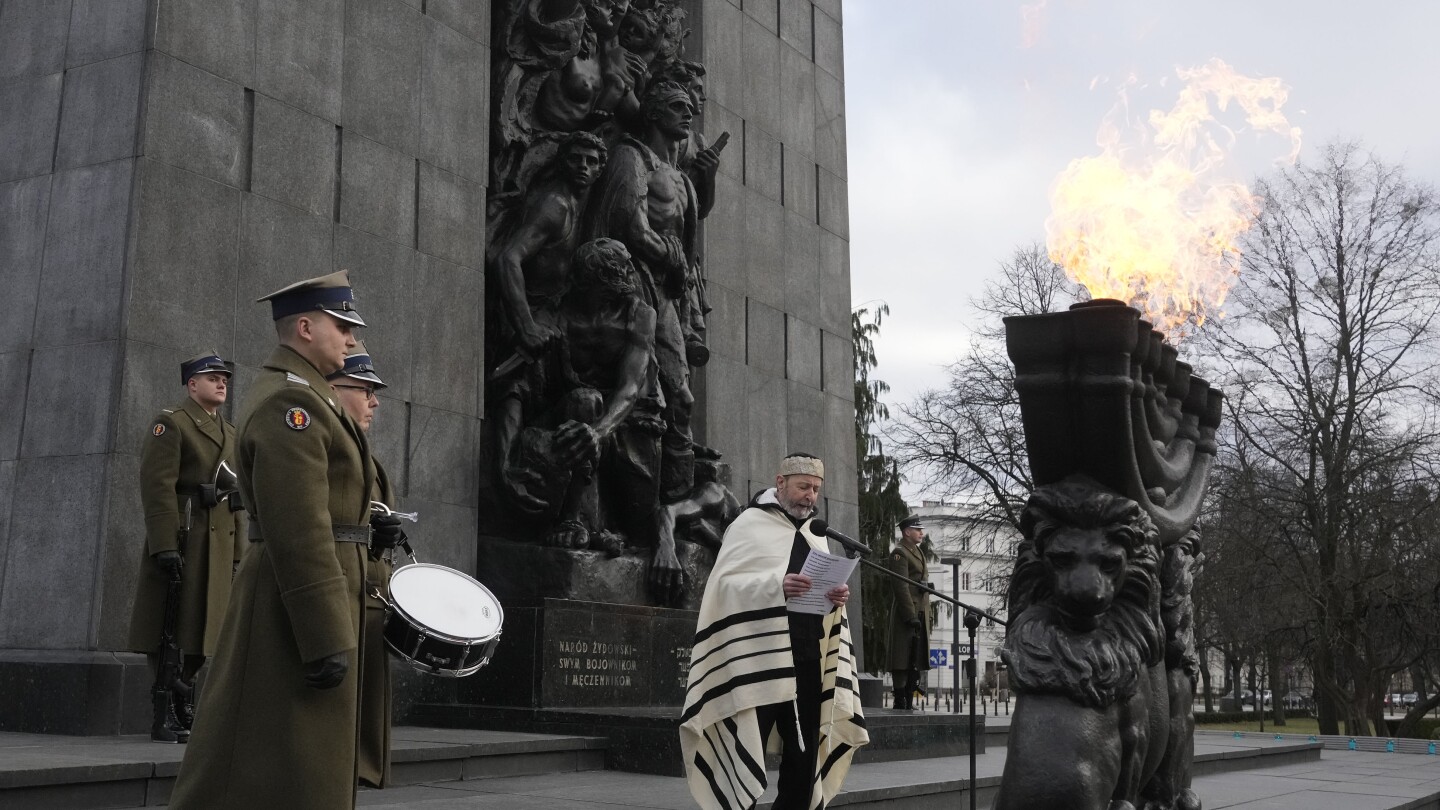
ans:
(204, 364)
(331, 294)
(359, 366)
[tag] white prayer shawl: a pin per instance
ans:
(741, 660)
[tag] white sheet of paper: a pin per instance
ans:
(825, 572)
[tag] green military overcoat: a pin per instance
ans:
(907, 602)
(183, 451)
(374, 765)
(263, 739)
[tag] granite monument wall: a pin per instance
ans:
(163, 164)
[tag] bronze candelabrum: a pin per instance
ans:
(1121, 439)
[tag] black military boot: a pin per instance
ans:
(166, 727)
(182, 698)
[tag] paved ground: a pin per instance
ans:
(1340, 780)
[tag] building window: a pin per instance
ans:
(965, 579)
(965, 543)
(990, 546)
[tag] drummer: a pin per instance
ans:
(356, 388)
(279, 722)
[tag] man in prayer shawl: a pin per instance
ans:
(760, 674)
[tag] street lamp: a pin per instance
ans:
(954, 563)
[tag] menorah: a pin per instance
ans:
(1121, 439)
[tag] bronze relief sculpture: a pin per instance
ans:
(596, 317)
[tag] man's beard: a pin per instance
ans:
(794, 509)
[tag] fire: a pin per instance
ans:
(1150, 220)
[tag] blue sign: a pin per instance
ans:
(939, 659)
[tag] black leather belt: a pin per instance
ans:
(343, 533)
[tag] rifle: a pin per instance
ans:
(168, 658)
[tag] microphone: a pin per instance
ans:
(820, 528)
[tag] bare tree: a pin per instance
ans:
(1328, 359)
(965, 441)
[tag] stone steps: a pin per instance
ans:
(90, 773)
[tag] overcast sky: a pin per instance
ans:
(957, 127)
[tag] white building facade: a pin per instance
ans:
(979, 553)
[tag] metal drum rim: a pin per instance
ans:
(398, 608)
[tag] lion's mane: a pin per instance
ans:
(1100, 666)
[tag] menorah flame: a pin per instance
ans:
(1151, 220)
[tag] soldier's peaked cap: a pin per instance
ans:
(331, 294)
(359, 366)
(204, 364)
(912, 522)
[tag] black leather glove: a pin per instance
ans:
(171, 563)
(328, 672)
(385, 532)
(916, 624)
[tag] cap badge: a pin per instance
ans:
(158, 430)
(297, 419)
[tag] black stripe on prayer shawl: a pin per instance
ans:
(756, 768)
(834, 757)
(738, 639)
(727, 662)
(725, 761)
(738, 680)
(704, 768)
(739, 618)
(734, 750)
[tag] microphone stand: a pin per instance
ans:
(972, 622)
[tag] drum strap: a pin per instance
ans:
(343, 534)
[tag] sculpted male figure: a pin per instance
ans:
(191, 536)
(531, 249)
(650, 205)
(530, 259)
(563, 70)
(279, 721)
(610, 333)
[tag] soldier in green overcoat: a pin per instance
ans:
(178, 466)
(356, 386)
(909, 633)
(278, 725)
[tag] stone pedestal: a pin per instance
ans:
(573, 654)
(526, 575)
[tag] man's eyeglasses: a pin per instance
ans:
(369, 392)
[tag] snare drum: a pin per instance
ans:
(442, 621)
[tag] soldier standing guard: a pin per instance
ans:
(356, 388)
(909, 636)
(279, 720)
(192, 536)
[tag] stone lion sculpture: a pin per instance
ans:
(1086, 650)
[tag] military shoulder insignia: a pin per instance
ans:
(297, 418)
(158, 430)
(296, 378)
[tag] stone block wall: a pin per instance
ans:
(777, 244)
(162, 164)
